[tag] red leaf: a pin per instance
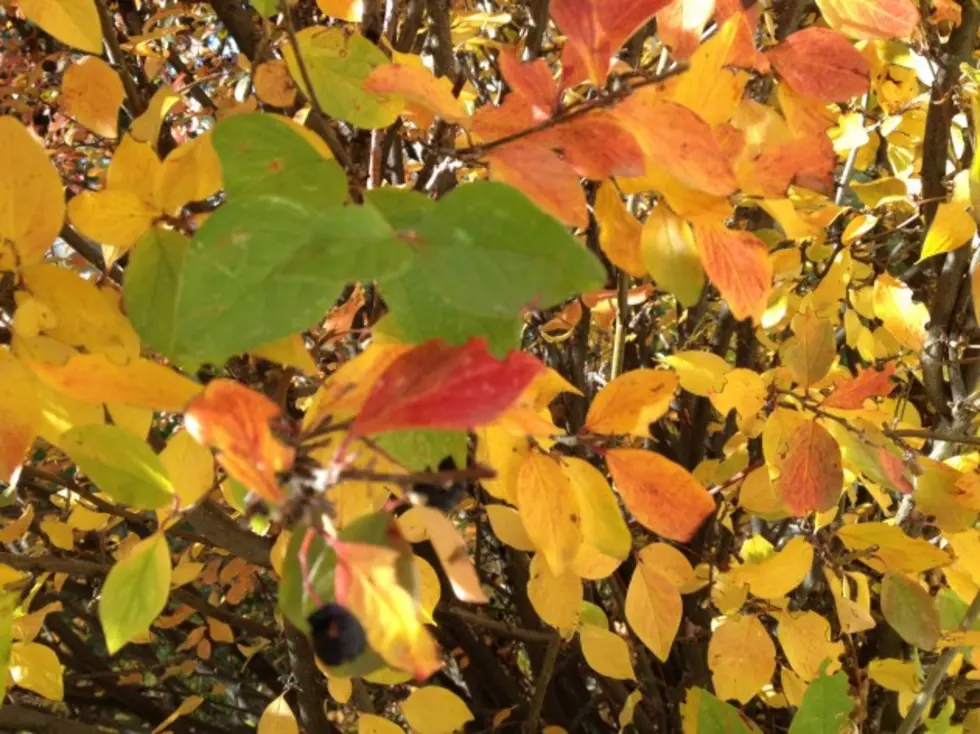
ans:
(595, 29)
(806, 162)
(532, 81)
(546, 179)
(738, 264)
(596, 145)
(436, 385)
(822, 64)
(871, 19)
(661, 495)
(894, 469)
(811, 473)
(851, 394)
(229, 417)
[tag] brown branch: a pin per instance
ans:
(309, 694)
(538, 22)
(115, 54)
(22, 718)
(542, 683)
(508, 630)
(222, 532)
(234, 16)
(441, 38)
(249, 626)
(946, 436)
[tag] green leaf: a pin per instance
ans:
(419, 450)
(825, 708)
(153, 278)
(338, 62)
(320, 560)
(266, 8)
(135, 592)
(910, 611)
(704, 714)
(403, 208)
(265, 267)
(120, 464)
(262, 154)
(484, 253)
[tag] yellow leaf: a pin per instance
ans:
(36, 667)
(340, 689)
(20, 414)
(606, 653)
(15, 529)
(853, 608)
(434, 710)
(631, 402)
(60, 534)
(86, 520)
(10, 575)
(505, 453)
(811, 351)
(629, 708)
(793, 686)
(653, 608)
(805, 638)
(591, 564)
(507, 526)
(966, 545)
(429, 589)
(190, 466)
(602, 523)
(890, 549)
(744, 391)
(141, 383)
(135, 592)
(185, 572)
(619, 231)
(289, 351)
(952, 228)
(32, 203)
(452, 553)
(188, 706)
(220, 631)
(742, 658)
(80, 314)
(28, 626)
(758, 496)
(61, 413)
(278, 718)
(350, 10)
(371, 724)
(556, 599)
(73, 22)
(673, 564)
(111, 217)
(91, 93)
(273, 85)
(135, 168)
(895, 675)
(903, 317)
(549, 510)
(701, 373)
(191, 172)
(779, 574)
(415, 84)
(671, 255)
(146, 127)
(940, 492)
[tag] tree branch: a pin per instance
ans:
(309, 695)
(115, 54)
(22, 718)
(542, 683)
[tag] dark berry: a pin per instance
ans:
(338, 637)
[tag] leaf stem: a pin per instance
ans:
(937, 674)
(622, 318)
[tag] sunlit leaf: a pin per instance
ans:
(631, 402)
(653, 608)
(35, 667)
(74, 22)
(822, 64)
(742, 658)
(826, 707)
(135, 592)
(435, 710)
(278, 718)
(91, 93)
(549, 510)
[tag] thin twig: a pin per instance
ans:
(622, 319)
(937, 674)
(932, 435)
(115, 53)
(542, 683)
(478, 620)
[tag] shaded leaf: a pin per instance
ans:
(910, 610)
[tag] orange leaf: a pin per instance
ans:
(631, 402)
(435, 385)
(596, 145)
(514, 115)
(737, 262)
(229, 417)
(417, 85)
(822, 64)
(451, 550)
(810, 470)
(678, 140)
(808, 163)
(871, 19)
(663, 496)
(620, 234)
(20, 414)
(532, 81)
(547, 180)
(680, 24)
(870, 383)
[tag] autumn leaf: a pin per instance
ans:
(807, 468)
(544, 178)
(660, 494)
(549, 510)
(532, 81)
(235, 421)
(74, 22)
(742, 658)
(910, 610)
(738, 264)
(416, 85)
(631, 402)
(680, 25)
(653, 608)
(952, 227)
(870, 383)
(871, 19)
(435, 385)
(822, 64)
(91, 93)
